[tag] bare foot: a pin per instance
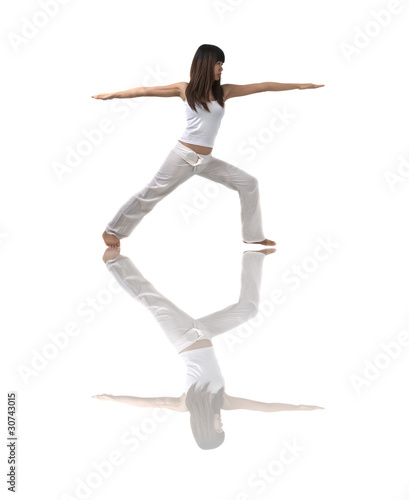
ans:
(265, 251)
(111, 253)
(264, 242)
(111, 240)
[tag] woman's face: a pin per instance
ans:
(218, 68)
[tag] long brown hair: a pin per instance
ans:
(202, 79)
(202, 411)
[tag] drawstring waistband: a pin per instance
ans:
(194, 159)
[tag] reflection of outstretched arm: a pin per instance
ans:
(232, 403)
(163, 402)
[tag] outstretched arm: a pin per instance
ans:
(231, 90)
(173, 90)
(232, 403)
(163, 402)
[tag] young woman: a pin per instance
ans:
(204, 99)
(204, 396)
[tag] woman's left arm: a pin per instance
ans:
(274, 86)
(230, 90)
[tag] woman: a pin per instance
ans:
(204, 99)
(204, 394)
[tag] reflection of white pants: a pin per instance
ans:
(181, 164)
(181, 329)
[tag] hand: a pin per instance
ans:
(303, 86)
(102, 96)
(309, 407)
(104, 397)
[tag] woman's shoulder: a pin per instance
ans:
(226, 90)
(182, 87)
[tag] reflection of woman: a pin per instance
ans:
(204, 100)
(204, 394)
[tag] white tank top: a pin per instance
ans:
(202, 126)
(202, 367)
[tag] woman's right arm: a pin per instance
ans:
(173, 90)
(162, 402)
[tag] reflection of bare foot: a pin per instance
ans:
(111, 253)
(264, 242)
(265, 251)
(111, 240)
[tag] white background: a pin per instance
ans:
(322, 176)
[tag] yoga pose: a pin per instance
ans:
(204, 99)
(204, 396)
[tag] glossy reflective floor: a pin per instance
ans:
(205, 394)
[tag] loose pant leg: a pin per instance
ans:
(174, 171)
(247, 307)
(173, 321)
(247, 186)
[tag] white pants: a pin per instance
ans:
(181, 329)
(181, 164)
